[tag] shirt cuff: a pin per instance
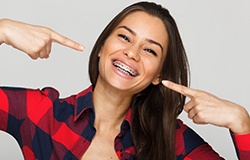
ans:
(242, 141)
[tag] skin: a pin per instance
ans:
(203, 107)
(129, 44)
(36, 41)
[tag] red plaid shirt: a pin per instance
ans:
(47, 127)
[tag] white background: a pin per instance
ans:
(215, 33)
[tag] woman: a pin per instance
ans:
(129, 108)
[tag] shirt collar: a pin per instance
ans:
(128, 117)
(84, 102)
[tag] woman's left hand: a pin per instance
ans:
(205, 108)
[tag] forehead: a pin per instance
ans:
(146, 26)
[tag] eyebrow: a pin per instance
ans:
(148, 40)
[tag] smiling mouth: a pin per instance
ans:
(125, 69)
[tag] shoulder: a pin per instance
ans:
(21, 93)
(189, 136)
(186, 139)
(44, 93)
(50, 92)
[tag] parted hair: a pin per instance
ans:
(154, 109)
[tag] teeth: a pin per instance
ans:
(125, 69)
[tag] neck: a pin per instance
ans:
(111, 107)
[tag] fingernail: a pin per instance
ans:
(165, 82)
(81, 47)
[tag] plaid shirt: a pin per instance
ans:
(47, 127)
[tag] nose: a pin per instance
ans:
(132, 52)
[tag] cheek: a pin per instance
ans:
(152, 67)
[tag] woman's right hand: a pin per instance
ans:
(34, 40)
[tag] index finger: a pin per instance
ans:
(179, 88)
(58, 38)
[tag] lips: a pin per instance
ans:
(125, 68)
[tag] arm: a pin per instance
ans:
(34, 40)
(19, 105)
(205, 108)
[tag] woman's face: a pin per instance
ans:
(132, 56)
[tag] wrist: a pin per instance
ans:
(243, 129)
(2, 30)
(241, 122)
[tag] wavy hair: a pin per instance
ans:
(154, 109)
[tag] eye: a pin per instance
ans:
(150, 51)
(124, 37)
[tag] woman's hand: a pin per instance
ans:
(34, 40)
(205, 108)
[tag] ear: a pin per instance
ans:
(157, 80)
(100, 53)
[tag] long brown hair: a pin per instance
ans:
(155, 109)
